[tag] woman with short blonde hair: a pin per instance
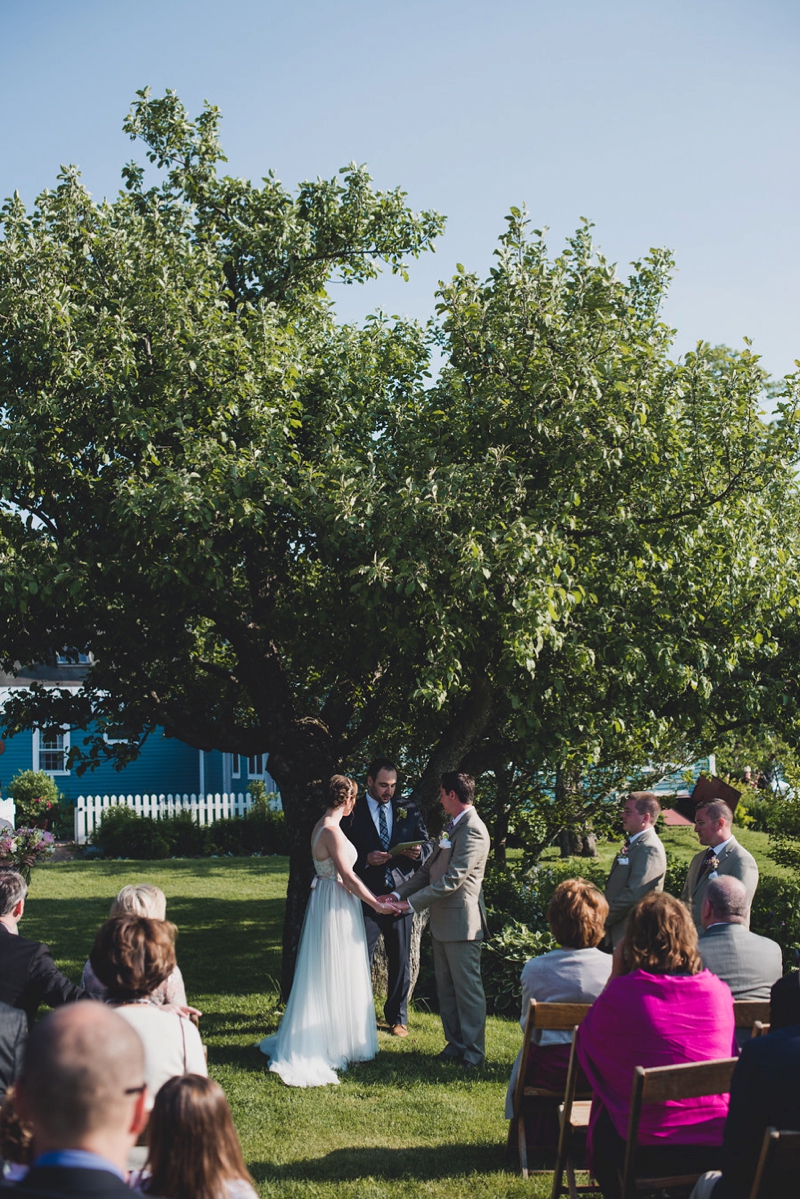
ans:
(141, 899)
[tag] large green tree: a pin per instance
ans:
(277, 533)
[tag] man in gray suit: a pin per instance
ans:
(450, 884)
(639, 867)
(724, 856)
(749, 964)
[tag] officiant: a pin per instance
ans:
(392, 842)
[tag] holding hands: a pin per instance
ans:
(389, 903)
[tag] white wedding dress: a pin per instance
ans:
(330, 1017)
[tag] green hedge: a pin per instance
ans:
(124, 834)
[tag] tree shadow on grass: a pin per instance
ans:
(225, 946)
(417, 1163)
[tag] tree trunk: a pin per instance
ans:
(380, 971)
(577, 843)
(303, 805)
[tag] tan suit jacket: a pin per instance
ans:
(734, 860)
(450, 883)
(645, 871)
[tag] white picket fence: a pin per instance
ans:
(89, 809)
(8, 811)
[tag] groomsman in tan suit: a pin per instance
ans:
(450, 884)
(639, 867)
(724, 855)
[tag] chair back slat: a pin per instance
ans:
(690, 1080)
(561, 1017)
(747, 1011)
(760, 1029)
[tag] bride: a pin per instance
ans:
(330, 1017)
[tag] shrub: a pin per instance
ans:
(776, 914)
(184, 837)
(262, 831)
(123, 834)
(506, 954)
(35, 796)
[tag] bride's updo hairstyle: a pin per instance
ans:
(340, 788)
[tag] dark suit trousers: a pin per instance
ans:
(397, 939)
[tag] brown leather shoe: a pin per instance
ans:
(399, 1030)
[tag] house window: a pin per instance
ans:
(257, 766)
(236, 769)
(72, 659)
(119, 732)
(50, 750)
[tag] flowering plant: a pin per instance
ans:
(22, 848)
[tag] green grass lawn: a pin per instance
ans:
(404, 1120)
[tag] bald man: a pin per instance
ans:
(749, 964)
(82, 1092)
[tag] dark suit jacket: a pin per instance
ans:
(45, 1181)
(29, 976)
(362, 832)
(764, 1092)
(13, 1034)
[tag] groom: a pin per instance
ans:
(380, 822)
(451, 884)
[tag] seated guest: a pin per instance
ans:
(659, 1009)
(194, 1149)
(82, 1093)
(576, 972)
(764, 1094)
(140, 899)
(749, 964)
(784, 1001)
(13, 1031)
(132, 956)
(28, 974)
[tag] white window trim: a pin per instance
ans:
(237, 773)
(36, 751)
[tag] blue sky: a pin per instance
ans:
(666, 124)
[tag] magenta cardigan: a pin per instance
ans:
(646, 1019)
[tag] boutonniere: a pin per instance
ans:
(623, 849)
(402, 813)
(712, 864)
(444, 841)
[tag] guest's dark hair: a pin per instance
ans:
(661, 937)
(13, 888)
(340, 788)
(646, 802)
(577, 914)
(462, 784)
(194, 1149)
(16, 1137)
(133, 955)
(379, 764)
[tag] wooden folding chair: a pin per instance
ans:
(690, 1080)
(778, 1166)
(760, 1029)
(747, 1011)
(574, 1120)
(551, 1016)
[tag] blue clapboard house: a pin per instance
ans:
(165, 766)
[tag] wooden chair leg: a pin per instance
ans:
(522, 1142)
